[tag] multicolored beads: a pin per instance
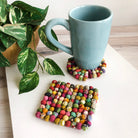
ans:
(83, 74)
(68, 105)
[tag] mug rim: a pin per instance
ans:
(101, 20)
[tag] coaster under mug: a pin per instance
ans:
(84, 74)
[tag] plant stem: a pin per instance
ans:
(39, 64)
(40, 55)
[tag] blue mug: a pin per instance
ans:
(89, 28)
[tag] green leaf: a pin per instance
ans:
(51, 67)
(8, 9)
(30, 14)
(44, 39)
(27, 59)
(7, 40)
(3, 61)
(17, 31)
(2, 47)
(29, 32)
(18, 15)
(3, 11)
(15, 15)
(28, 82)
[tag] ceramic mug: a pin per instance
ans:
(89, 28)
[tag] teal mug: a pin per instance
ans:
(89, 28)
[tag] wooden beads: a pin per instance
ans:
(68, 105)
(82, 74)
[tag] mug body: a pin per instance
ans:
(89, 30)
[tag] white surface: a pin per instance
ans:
(125, 11)
(116, 114)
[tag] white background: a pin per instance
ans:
(125, 11)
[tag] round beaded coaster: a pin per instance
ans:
(83, 74)
(68, 105)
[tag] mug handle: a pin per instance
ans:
(49, 25)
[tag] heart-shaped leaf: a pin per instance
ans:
(30, 14)
(3, 61)
(26, 60)
(18, 15)
(17, 31)
(7, 40)
(28, 82)
(3, 12)
(8, 9)
(44, 39)
(51, 67)
(24, 44)
(15, 15)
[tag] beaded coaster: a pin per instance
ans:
(83, 74)
(69, 105)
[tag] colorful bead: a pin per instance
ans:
(68, 104)
(73, 124)
(43, 102)
(40, 110)
(78, 114)
(68, 123)
(75, 105)
(47, 118)
(62, 122)
(82, 101)
(43, 115)
(80, 110)
(45, 110)
(69, 109)
(52, 118)
(82, 121)
(57, 120)
(58, 110)
(81, 106)
(79, 125)
(89, 123)
(90, 118)
(75, 110)
(88, 104)
(77, 119)
(55, 113)
(47, 106)
(65, 117)
(73, 114)
(38, 114)
(83, 75)
(62, 112)
(51, 108)
(85, 113)
(60, 116)
(83, 116)
(87, 108)
(68, 113)
(42, 106)
(65, 103)
(45, 98)
(49, 113)
(84, 127)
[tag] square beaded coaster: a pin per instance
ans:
(68, 104)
